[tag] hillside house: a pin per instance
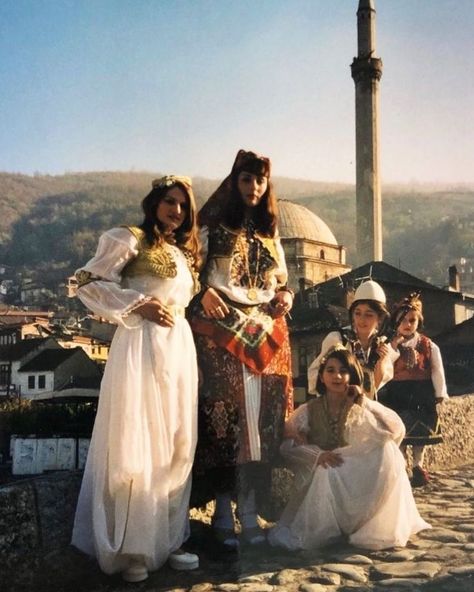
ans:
(53, 370)
(35, 293)
(16, 325)
(95, 349)
(13, 355)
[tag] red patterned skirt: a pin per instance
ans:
(250, 336)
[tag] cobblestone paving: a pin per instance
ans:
(437, 560)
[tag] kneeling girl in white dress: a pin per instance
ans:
(350, 474)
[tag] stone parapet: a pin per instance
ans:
(457, 426)
(36, 515)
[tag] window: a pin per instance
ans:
(31, 382)
(4, 374)
(42, 381)
(313, 299)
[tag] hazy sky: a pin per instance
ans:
(179, 86)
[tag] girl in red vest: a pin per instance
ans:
(418, 384)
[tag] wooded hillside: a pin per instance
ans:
(50, 224)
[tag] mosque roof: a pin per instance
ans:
(297, 221)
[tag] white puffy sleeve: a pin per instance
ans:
(384, 368)
(329, 341)
(294, 447)
(437, 373)
(388, 422)
(101, 289)
(281, 273)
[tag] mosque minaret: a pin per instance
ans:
(366, 72)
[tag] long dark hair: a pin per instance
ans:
(348, 360)
(264, 214)
(186, 236)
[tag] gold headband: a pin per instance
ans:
(169, 180)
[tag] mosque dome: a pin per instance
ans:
(297, 221)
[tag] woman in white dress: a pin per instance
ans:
(350, 474)
(132, 513)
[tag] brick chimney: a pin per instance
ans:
(454, 281)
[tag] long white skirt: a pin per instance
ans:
(367, 499)
(135, 492)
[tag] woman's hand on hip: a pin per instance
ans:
(156, 312)
(213, 305)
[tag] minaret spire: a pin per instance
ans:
(366, 71)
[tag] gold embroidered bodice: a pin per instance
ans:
(251, 256)
(222, 242)
(151, 260)
(156, 260)
(325, 431)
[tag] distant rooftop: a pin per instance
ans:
(381, 271)
(49, 359)
(16, 351)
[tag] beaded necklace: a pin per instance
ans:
(252, 280)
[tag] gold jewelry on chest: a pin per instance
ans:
(252, 292)
(151, 259)
(326, 432)
(223, 241)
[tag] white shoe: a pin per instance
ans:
(183, 561)
(136, 572)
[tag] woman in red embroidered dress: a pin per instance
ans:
(243, 345)
(418, 384)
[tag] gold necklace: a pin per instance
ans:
(334, 418)
(252, 293)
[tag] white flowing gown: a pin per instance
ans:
(135, 491)
(368, 498)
